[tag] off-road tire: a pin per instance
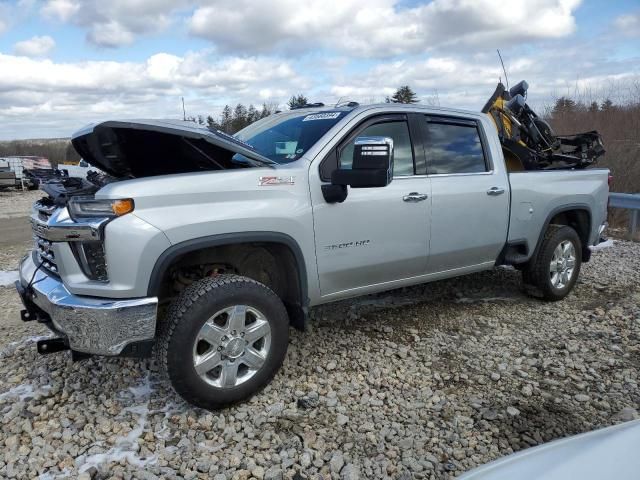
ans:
(185, 317)
(536, 275)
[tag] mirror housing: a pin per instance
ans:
(372, 164)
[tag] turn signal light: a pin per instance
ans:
(122, 207)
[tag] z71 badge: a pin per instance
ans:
(267, 181)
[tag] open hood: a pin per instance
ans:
(144, 148)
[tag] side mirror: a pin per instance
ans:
(372, 164)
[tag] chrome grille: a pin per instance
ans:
(44, 251)
(44, 248)
(45, 209)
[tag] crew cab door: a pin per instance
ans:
(470, 194)
(380, 235)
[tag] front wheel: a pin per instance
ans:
(224, 338)
(554, 271)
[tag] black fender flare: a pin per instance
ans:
(561, 209)
(174, 251)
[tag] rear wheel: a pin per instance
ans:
(224, 339)
(554, 271)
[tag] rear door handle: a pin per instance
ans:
(415, 197)
(493, 191)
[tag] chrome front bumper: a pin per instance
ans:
(94, 325)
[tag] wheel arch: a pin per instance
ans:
(298, 302)
(578, 216)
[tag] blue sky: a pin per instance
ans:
(65, 63)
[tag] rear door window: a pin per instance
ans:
(454, 147)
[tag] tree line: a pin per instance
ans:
(234, 119)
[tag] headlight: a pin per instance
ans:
(88, 207)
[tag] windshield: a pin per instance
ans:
(286, 137)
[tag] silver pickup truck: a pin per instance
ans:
(206, 247)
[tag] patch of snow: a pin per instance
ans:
(30, 339)
(25, 391)
(606, 244)
(7, 278)
(169, 409)
(126, 448)
(142, 390)
(66, 473)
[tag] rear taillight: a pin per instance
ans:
(610, 181)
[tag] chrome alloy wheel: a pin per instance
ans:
(563, 264)
(232, 346)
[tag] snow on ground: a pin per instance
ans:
(606, 244)
(126, 447)
(24, 391)
(8, 277)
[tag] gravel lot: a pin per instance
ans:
(423, 382)
(16, 203)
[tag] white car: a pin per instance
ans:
(609, 453)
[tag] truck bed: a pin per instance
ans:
(537, 196)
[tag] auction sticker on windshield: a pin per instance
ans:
(322, 116)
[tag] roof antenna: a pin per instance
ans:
(184, 112)
(503, 69)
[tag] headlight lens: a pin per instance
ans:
(88, 207)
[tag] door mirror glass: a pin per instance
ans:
(372, 164)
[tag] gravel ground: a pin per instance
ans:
(423, 382)
(16, 203)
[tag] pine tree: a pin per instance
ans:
(563, 106)
(252, 115)
(225, 119)
(606, 105)
(297, 101)
(404, 94)
(239, 120)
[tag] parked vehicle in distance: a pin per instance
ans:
(29, 171)
(606, 453)
(7, 178)
(209, 246)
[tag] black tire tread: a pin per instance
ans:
(534, 276)
(189, 297)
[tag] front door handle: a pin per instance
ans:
(493, 191)
(415, 197)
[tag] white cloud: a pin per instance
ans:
(64, 96)
(369, 28)
(35, 46)
(61, 9)
(628, 24)
(379, 28)
(114, 23)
